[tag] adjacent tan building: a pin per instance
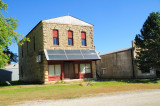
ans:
(120, 64)
(59, 48)
(116, 64)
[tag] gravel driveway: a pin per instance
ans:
(133, 98)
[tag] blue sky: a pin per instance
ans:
(116, 22)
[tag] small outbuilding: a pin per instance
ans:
(10, 72)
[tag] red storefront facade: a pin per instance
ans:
(62, 70)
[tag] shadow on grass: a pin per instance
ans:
(16, 83)
(135, 80)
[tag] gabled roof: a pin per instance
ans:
(120, 50)
(67, 20)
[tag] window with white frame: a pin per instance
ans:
(85, 68)
(55, 69)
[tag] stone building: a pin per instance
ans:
(120, 64)
(59, 48)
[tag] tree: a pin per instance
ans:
(12, 57)
(7, 34)
(148, 44)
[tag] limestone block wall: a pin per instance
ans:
(138, 73)
(116, 65)
(45, 69)
(63, 36)
(29, 69)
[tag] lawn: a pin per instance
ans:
(21, 92)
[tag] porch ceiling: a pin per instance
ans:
(71, 55)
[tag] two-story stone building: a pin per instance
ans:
(59, 48)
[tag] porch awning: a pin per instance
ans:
(71, 55)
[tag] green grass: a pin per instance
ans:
(23, 92)
(111, 82)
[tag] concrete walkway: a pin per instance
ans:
(132, 98)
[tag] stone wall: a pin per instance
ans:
(63, 36)
(116, 65)
(138, 73)
(30, 70)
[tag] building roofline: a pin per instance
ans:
(81, 20)
(32, 29)
(119, 50)
(48, 19)
(71, 16)
(12, 66)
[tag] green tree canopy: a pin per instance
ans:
(7, 34)
(148, 44)
(12, 56)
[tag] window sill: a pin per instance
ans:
(55, 46)
(84, 46)
(69, 45)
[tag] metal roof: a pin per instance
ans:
(67, 20)
(12, 66)
(120, 50)
(71, 55)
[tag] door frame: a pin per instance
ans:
(68, 68)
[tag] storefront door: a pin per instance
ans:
(68, 70)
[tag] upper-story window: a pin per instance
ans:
(70, 38)
(83, 38)
(55, 37)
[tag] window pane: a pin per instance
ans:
(82, 68)
(88, 68)
(83, 42)
(55, 41)
(57, 69)
(76, 68)
(51, 69)
(70, 41)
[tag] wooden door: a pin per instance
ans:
(68, 70)
(71, 70)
